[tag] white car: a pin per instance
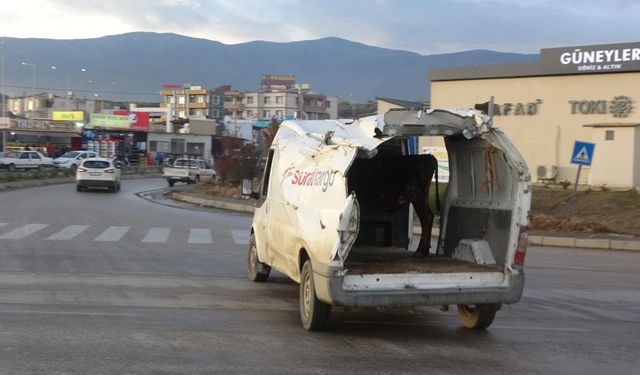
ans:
(72, 159)
(97, 172)
(25, 160)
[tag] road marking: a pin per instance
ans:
(198, 235)
(240, 237)
(64, 313)
(23, 232)
(68, 232)
(112, 234)
(3, 224)
(157, 235)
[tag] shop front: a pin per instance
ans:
(122, 135)
(51, 138)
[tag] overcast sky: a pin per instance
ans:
(423, 26)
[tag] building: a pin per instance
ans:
(42, 106)
(385, 104)
(195, 102)
(279, 96)
(585, 93)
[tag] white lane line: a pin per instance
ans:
(3, 224)
(198, 235)
(157, 235)
(23, 231)
(68, 233)
(240, 237)
(112, 234)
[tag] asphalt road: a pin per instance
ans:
(102, 283)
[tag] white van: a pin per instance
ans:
(335, 214)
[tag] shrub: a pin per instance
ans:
(240, 164)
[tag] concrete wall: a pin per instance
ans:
(613, 161)
(547, 136)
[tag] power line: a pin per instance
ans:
(86, 91)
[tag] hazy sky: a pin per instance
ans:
(423, 26)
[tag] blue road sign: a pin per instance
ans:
(582, 153)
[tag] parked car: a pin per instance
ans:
(72, 159)
(25, 160)
(98, 172)
(334, 213)
(189, 170)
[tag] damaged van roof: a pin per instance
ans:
(369, 132)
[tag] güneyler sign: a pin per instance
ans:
(622, 57)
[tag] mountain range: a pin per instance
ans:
(134, 66)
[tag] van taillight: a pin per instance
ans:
(521, 250)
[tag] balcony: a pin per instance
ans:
(196, 105)
(314, 108)
(234, 106)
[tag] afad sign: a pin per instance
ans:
(317, 177)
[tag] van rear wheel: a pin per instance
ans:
(478, 316)
(313, 312)
(256, 271)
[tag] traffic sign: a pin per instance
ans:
(582, 153)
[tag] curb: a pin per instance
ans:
(212, 203)
(554, 241)
(64, 180)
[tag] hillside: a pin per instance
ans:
(139, 63)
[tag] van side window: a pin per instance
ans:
(267, 174)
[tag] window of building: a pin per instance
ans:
(267, 100)
(249, 113)
(159, 146)
(216, 113)
(279, 99)
(181, 114)
(279, 113)
(200, 99)
(608, 135)
(177, 146)
(180, 99)
(327, 104)
(249, 99)
(216, 99)
(266, 114)
(194, 148)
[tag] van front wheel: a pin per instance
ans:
(313, 312)
(256, 271)
(478, 316)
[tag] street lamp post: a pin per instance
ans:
(33, 86)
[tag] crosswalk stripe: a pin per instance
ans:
(68, 232)
(240, 237)
(157, 235)
(199, 235)
(23, 231)
(112, 234)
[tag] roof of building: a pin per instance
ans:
(402, 103)
(596, 59)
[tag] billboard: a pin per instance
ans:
(277, 82)
(98, 120)
(68, 116)
(623, 57)
(138, 120)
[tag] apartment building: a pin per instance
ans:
(297, 102)
(42, 106)
(195, 102)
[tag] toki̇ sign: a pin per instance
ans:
(622, 57)
(620, 106)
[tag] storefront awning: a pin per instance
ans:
(47, 134)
